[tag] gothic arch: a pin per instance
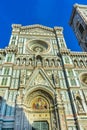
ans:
(75, 62)
(18, 61)
(39, 105)
(38, 60)
(39, 88)
(46, 96)
(81, 63)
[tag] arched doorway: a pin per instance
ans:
(40, 110)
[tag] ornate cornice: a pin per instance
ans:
(78, 54)
(80, 6)
(2, 51)
(31, 27)
(20, 27)
(65, 51)
(11, 48)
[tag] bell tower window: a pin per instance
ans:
(81, 29)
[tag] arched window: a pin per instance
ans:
(58, 62)
(52, 62)
(4, 81)
(18, 61)
(67, 61)
(24, 61)
(81, 29)
(30, 61)
(6, 71)
(39, 60)
(9, 58)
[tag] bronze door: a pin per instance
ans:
(40, 125)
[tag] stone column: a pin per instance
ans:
(19, 114)
(61, 113)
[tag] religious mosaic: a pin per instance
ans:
(39, 103)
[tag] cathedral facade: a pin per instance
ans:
(43, 85)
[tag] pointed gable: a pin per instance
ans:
(39, 78)
(33, 29)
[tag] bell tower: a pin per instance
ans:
(78, 22)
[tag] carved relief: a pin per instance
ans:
(22, 76)
(56, 79)
(39, 80)
(28, 74)
(79, 104)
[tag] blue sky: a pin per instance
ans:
(46, 12)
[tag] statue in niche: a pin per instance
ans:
(22, 77)
(30, 62)
(79, 104)
(46, 62)
(39, 60)
(52, 63)
(54, 124)
(57, 62)
(56, 78)
(24, 61)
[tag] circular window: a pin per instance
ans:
(83, 78)
(38, 46)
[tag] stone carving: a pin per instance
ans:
(39, 80)
(22, 77)
(56, 79)
(28, 74)
(38, 46)
(79, 104)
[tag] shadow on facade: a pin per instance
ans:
(36, 113)
(12, 116)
